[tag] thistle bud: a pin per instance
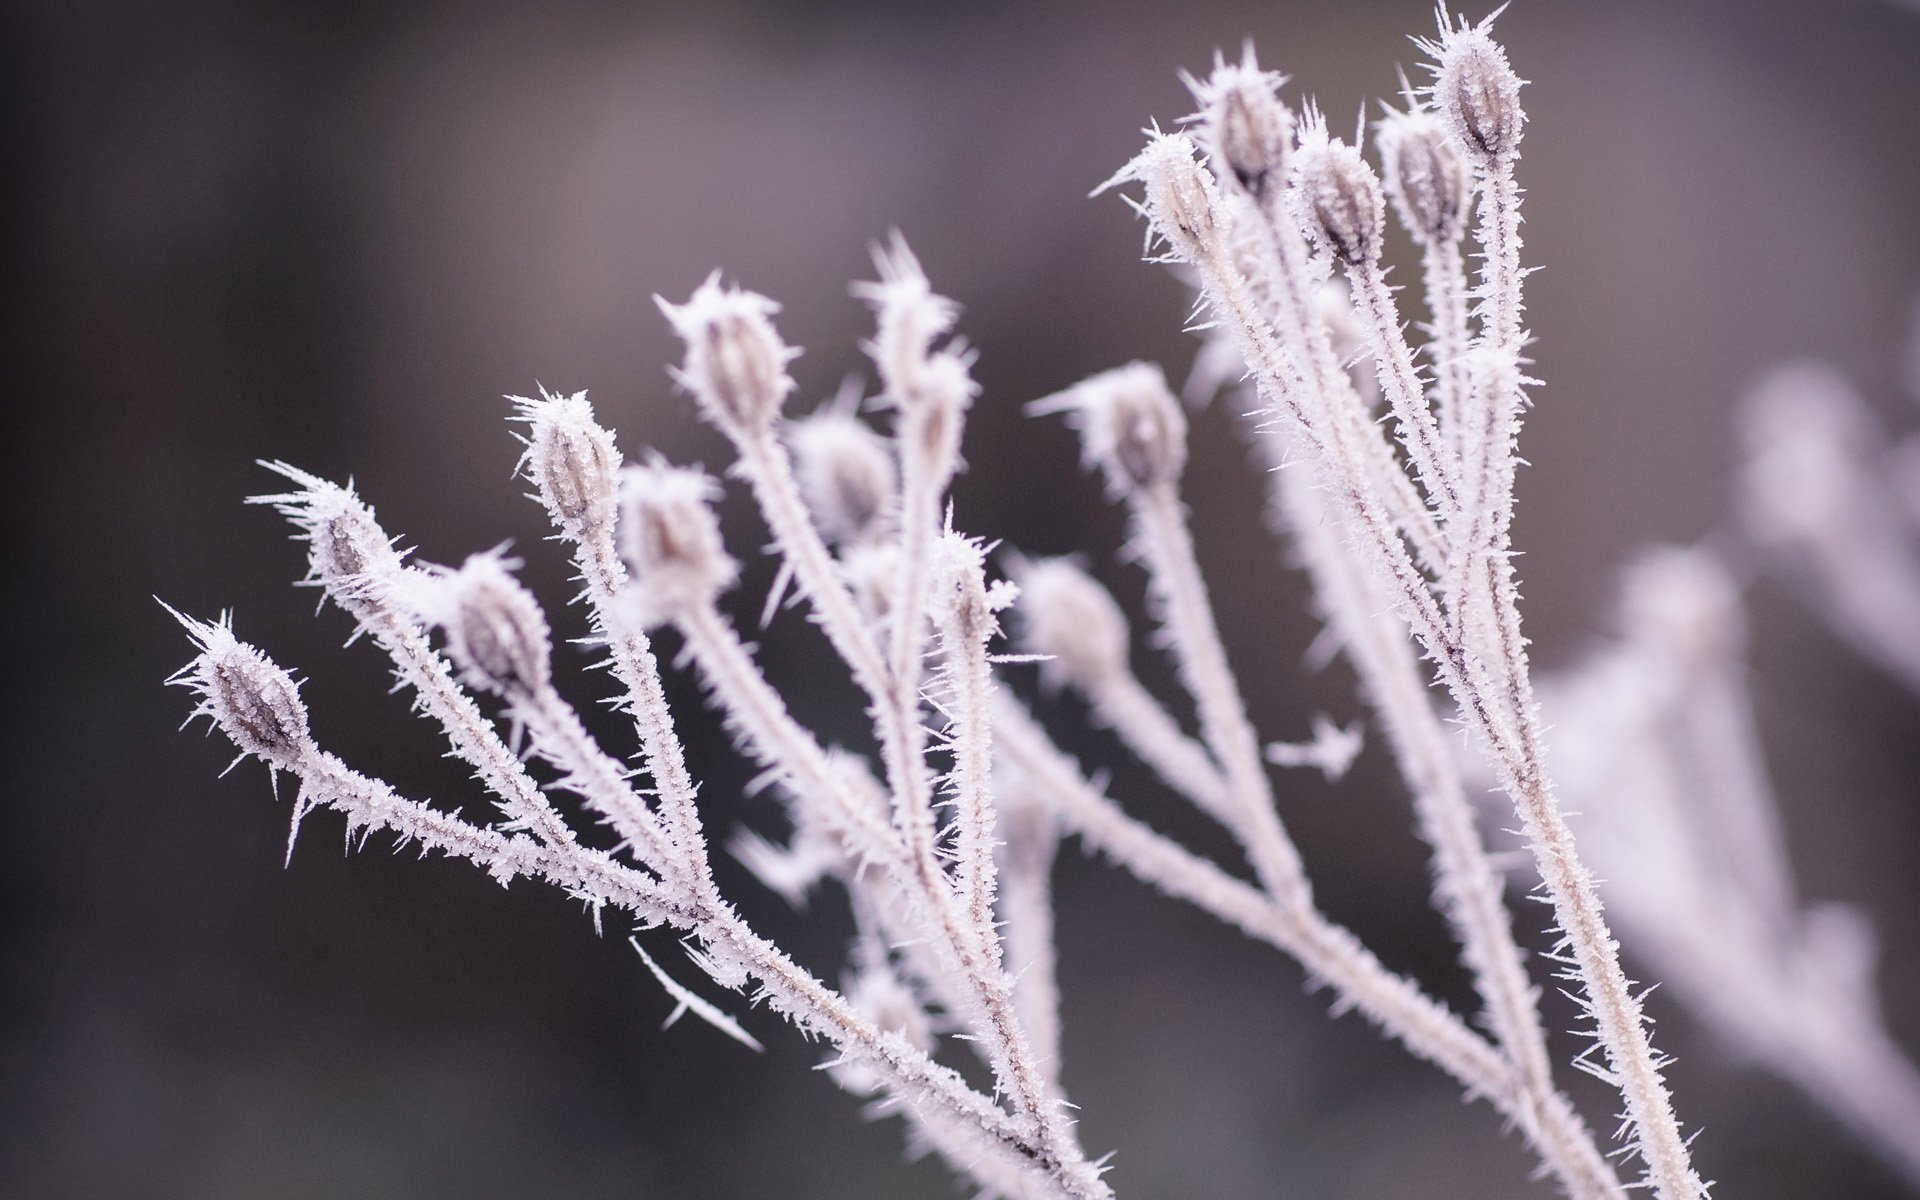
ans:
(347, 550)
(1335, 196)
(670, 539)
(571, 462)
(1245, 126)
(1067, 616)
(496, 633)
(252, 700)
(1424, 177)
(961, 600)
(1180, 202)
(736, 364)
(1476, 93)
(1130, 425)
(846, 474)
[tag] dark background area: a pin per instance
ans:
(337, 234)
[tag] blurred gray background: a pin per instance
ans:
(338, 233)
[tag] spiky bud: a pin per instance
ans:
(1130, 424)
(496, 632)
(1424, 177)
(1244, 125)
(1064, 614)
(1335, 196)
(736, 364)
(1476, 93)
(1180, 201)
(961, 599)
(252, 700)
(347, 550)
(670, 539)
(570, 460)
(846, 474)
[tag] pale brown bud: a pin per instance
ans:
(1179, 201)
(1336, 196)
(846, 474)
(1477, 94)
(1424, 177)
(736, 364)
(1130, 425)
(670, 539)
(1067, 616)
(496, 633)
(571, 461)
(1245, 125)
(252, 700)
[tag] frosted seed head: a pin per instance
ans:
(1179, 201)
(1423, 176)
(1476, 93)
(252, 700)
(1335, 196)
(670, 539)
(961, 600)
(736, 364)
(1130, 425)
(909, 316)
(1243, 124)
(846, 474)
(570, 460)
(496, 632)
(347, 550)
(1063, 613)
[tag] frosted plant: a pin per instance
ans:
(1656, 742)
(943, 839)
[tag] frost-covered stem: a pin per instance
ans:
(596, 777)
(1329, 953)
(1120, 702)
(1467, 888)
(963, 624)
(590, 875)
(352, 558)
(1477, 95)
(1166, 546)
(1399, 379)
(1025, 901)
(783, 745)
(572, 463)
(1443, 276)
(767, 468)
(1281, 258)
(769, 471)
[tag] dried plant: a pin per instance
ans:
(944, 840)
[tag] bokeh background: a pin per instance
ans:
(338, 233)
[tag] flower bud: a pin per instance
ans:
(253, 701)
(571, 462)
(736, 364)
(1244, 124)
(496, 633)
(1067, 616)
(1335, 196)
(347, 550)
(670, 539)
(1476, 93)
(1130, 425)
(1424, 177)
(846, 474)
(961, 600)
(1180, 201)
